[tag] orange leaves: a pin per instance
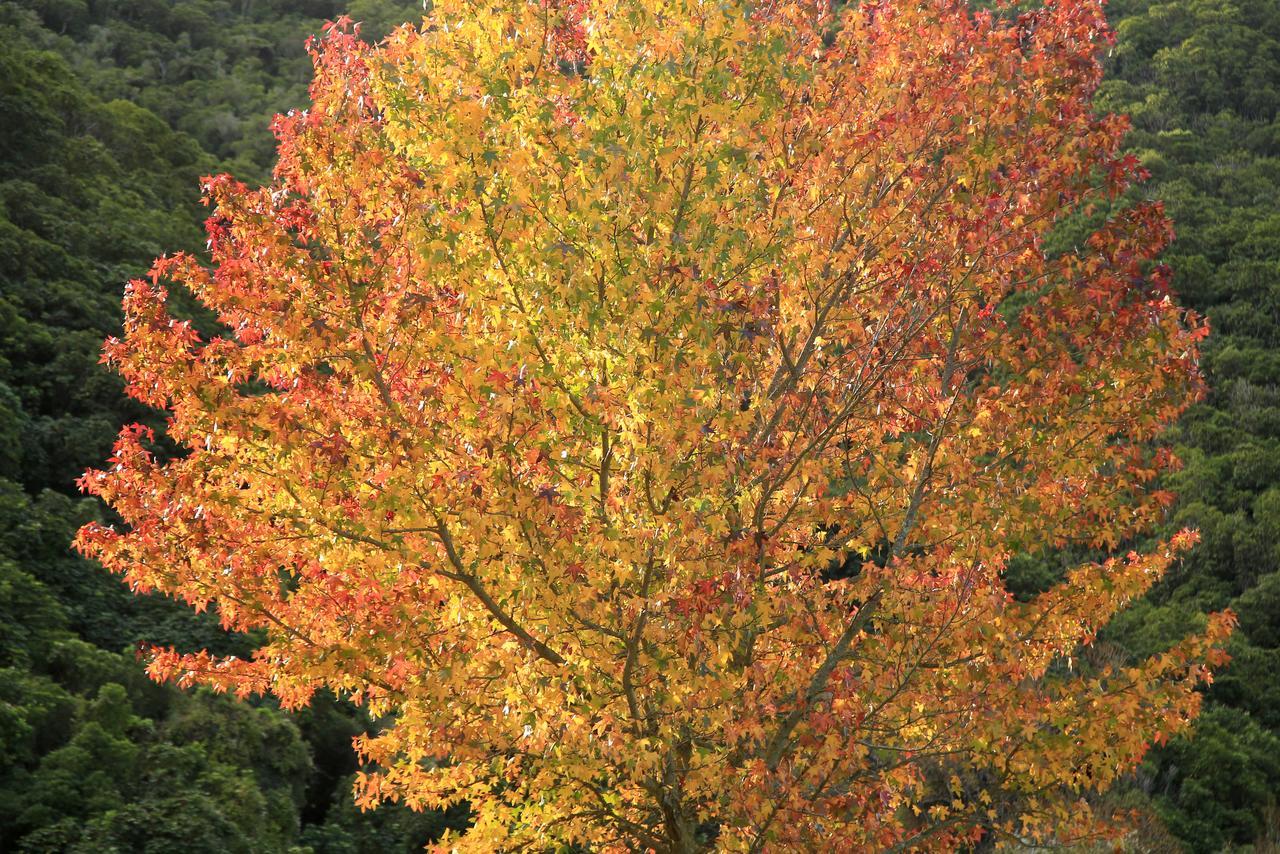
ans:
(637, 403)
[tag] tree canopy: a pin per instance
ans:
(640, 404)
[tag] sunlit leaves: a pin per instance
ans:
(576, 345)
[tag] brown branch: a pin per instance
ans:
(495, 610)
(818, 683)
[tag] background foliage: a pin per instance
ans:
(1201, 81)
(114, 108)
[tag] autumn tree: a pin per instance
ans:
(636, 403)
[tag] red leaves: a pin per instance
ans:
(567, 37)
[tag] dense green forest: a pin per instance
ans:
(1201, 81)
(112, 112)
(113, 109)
